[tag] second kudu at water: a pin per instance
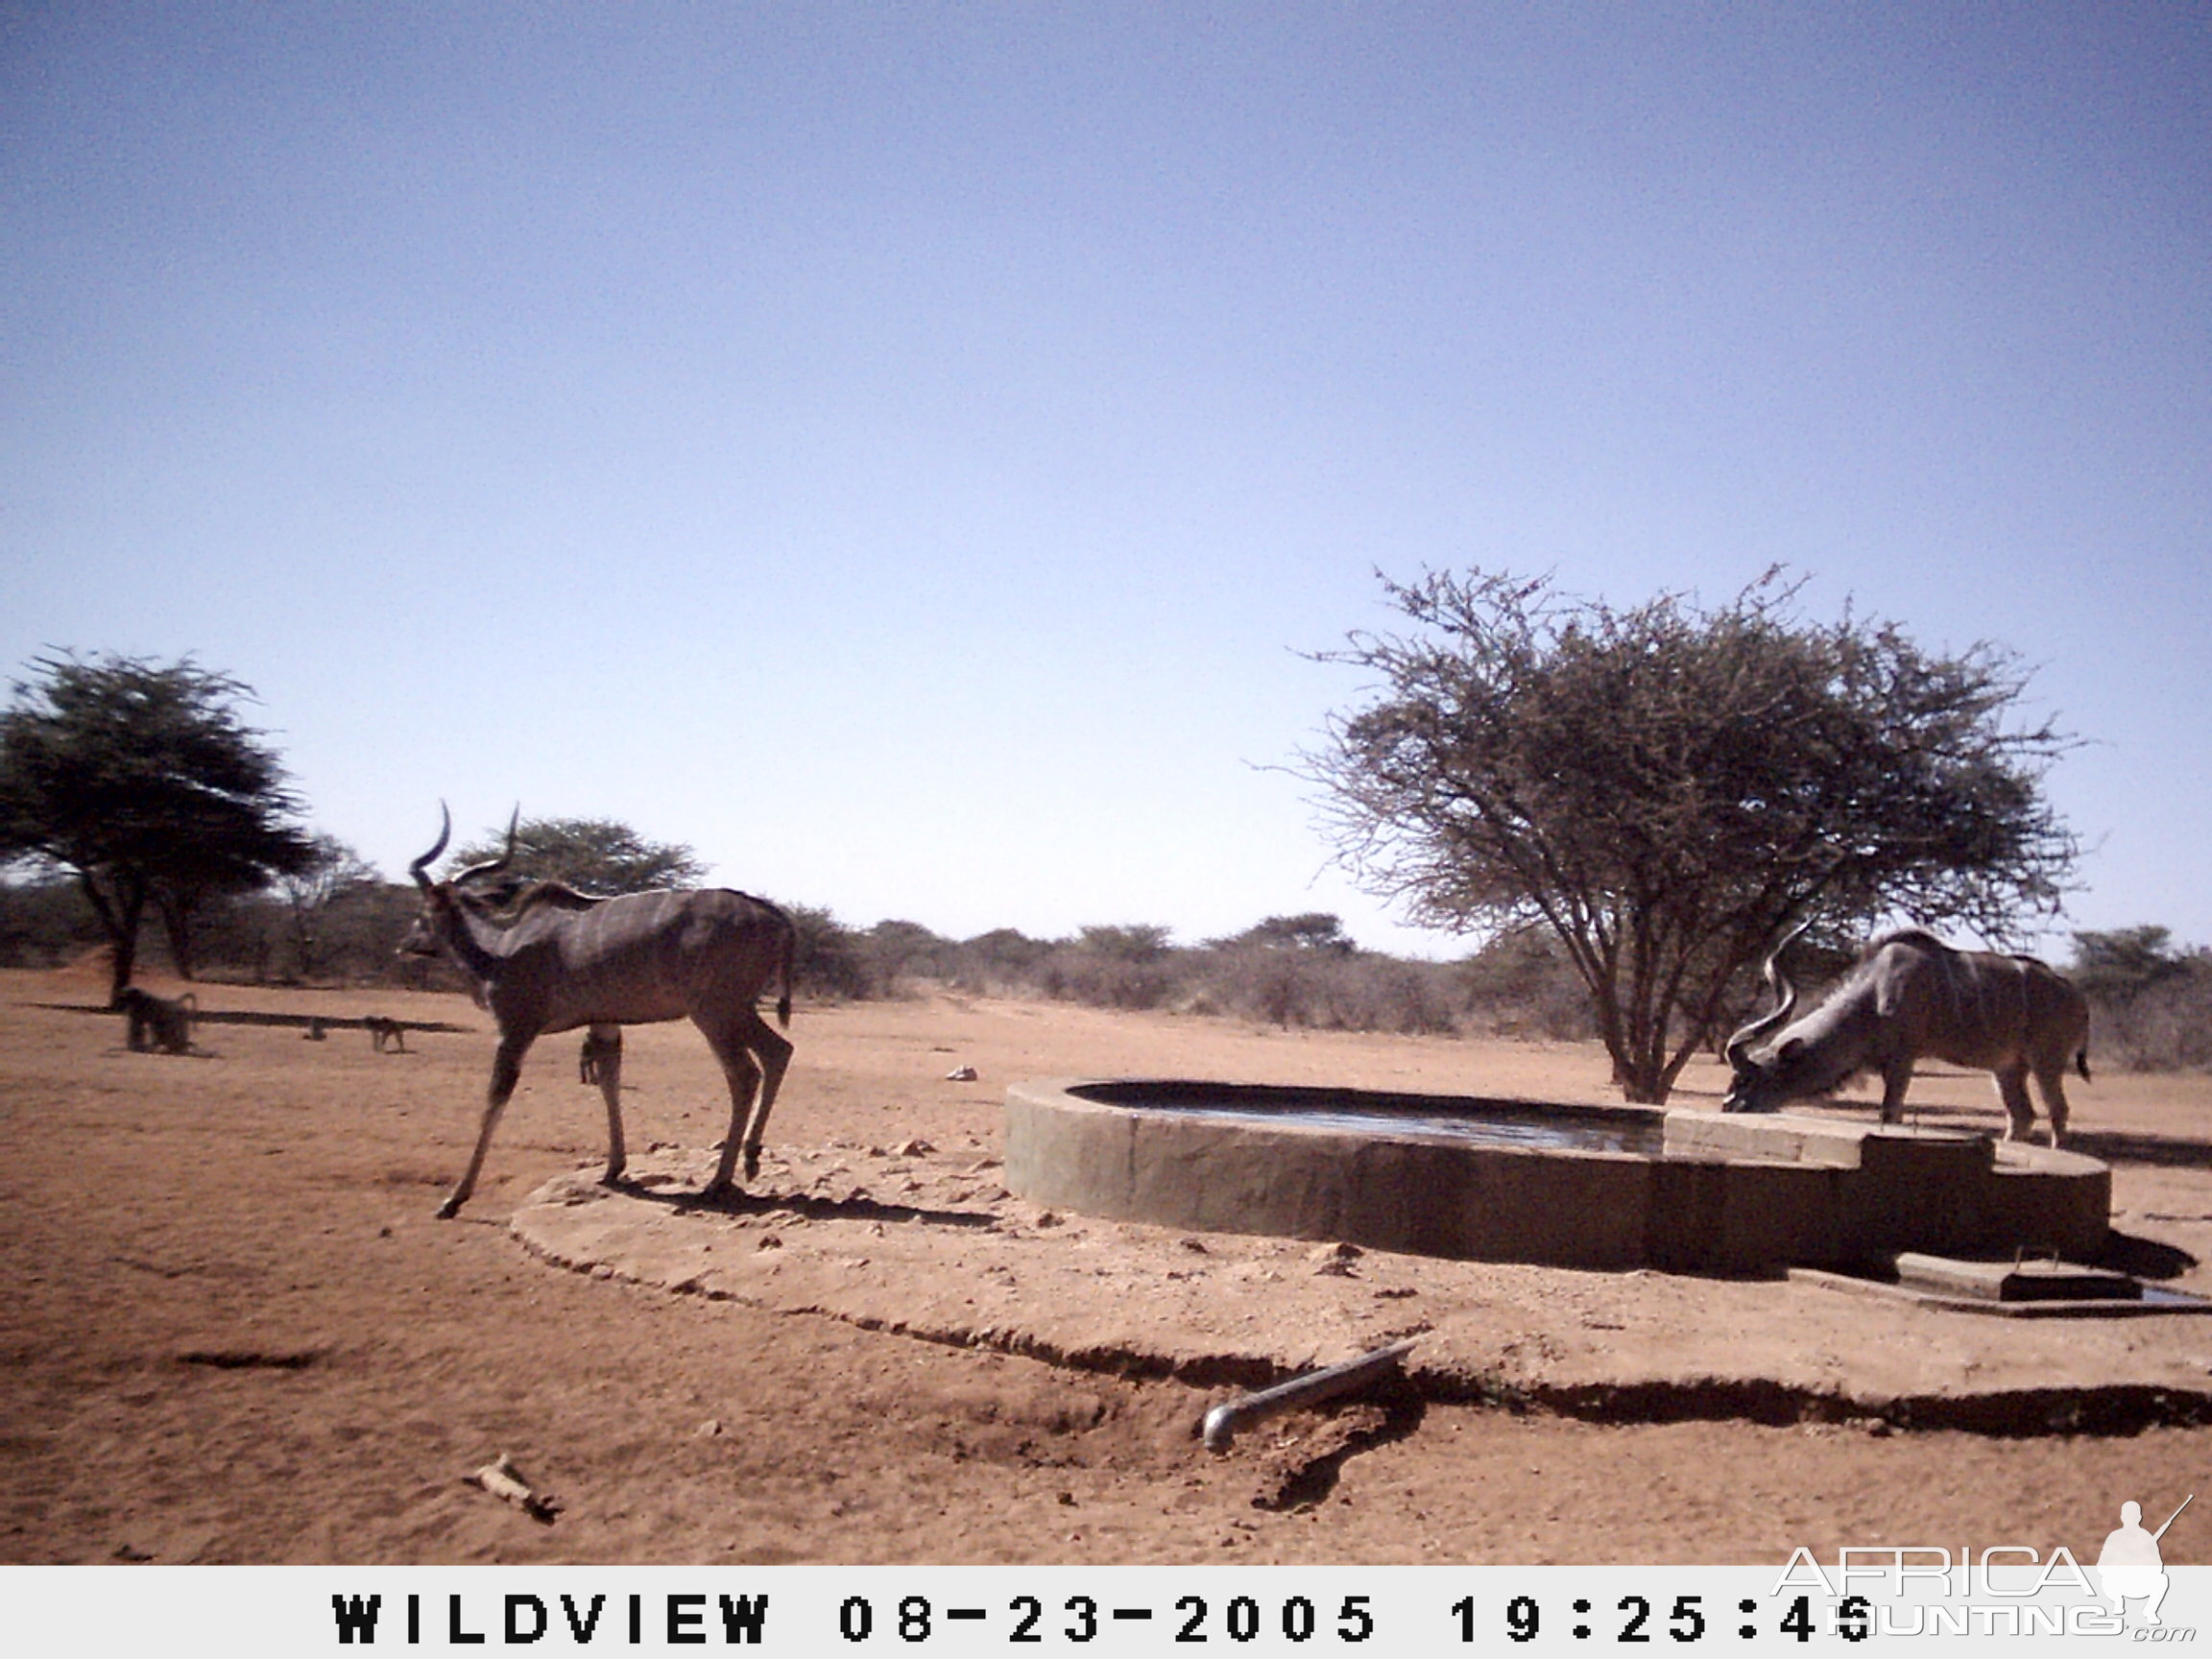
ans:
(1911, 997)
(556, 959)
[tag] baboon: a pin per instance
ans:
(155, 1022)
(382, 1031)
(601, 1048)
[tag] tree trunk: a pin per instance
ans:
(119, 915)
(177, 922)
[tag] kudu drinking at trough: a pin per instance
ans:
(1912, 997)
(560, 959)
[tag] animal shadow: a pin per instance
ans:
(813, 1207)
(2120, 1146)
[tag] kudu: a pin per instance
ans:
(563, 959)
(1912, 997)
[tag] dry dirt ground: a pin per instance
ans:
(237, 1333)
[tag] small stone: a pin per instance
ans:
(769, 1242)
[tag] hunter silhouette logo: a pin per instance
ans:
(2002, 1589)
(2130, 1566)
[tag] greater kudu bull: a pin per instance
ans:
(1912, 995)
(563, 959)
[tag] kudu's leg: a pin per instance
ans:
(2012, 1090)
(744, 1077)
(506, 1070)
(605, 1045)
(1896, 1078)
(773, 1050)
(2051, 1079)
(752, 1085)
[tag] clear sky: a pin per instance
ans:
(904, 450)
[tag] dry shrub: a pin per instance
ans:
(1330, 989)
(2166, 1027)
(2149, 1001)
(829, 960)
(1130, 968)
(1521, 984)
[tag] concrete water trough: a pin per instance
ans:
(1610, 1187)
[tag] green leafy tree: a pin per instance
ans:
(139, 779)
(1668, 787)
(596, 854)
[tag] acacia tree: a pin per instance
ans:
(598, 855)
(140, 780)
(1668, 787)
(332, 874)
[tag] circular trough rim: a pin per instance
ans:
(1149, 1095)
(1723, 1194)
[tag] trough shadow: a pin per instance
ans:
(2142, 1258)
(2120, 1146)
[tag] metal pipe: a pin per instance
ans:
(1315, 1386)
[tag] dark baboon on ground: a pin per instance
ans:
(383, 1031)
(155, 1022)
(602, 1047)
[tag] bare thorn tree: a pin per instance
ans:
(1668, 787)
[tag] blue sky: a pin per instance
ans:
(906, 452)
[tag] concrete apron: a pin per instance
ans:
(931, 1244)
